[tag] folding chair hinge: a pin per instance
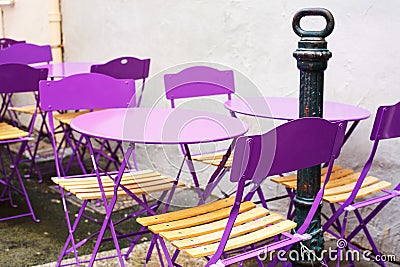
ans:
(350, 208)
(218, 264)
(303, 236)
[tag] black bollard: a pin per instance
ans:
(312, 57)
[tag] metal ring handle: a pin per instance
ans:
(330, 22)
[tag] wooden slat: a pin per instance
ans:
(243, 240)
(209, 156)
(214, 159)
(7, 136)
(343, 180)
(293, 177)
(349, 186)
(143, 186)
(109, 194)
(203, 229)
(361, 193)
(334, 176)
(67, 117)
(91, 179)
(236, 231)
(107, 180)
(198, 220)
(8, 132)
(28, 109)
(187, 213)
(126, 182)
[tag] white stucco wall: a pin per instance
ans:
(256, 38)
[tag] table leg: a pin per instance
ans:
(219, 172)
(189, 162)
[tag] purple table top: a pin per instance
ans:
(159, 125)
(63, 69)
(287, 108)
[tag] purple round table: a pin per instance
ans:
(63, 69)
(155, 126)
(287, 108)
(158, 126)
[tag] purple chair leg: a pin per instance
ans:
(22, 191)
(108, 207)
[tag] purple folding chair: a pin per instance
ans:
(97, 91)
(7, 42)
(202, 81)
(121, 68)
(126, 68)
(346, 198)
(17, 78)
(236, 225)
(25, 53)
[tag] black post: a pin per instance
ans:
(312, 56)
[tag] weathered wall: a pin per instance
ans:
(255, 38)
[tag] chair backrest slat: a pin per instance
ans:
(7, 42)
(124, 68)
(292, 146)
(18, 78)
(199, 81)
(87, 91)
(25, 53)
(387, 123)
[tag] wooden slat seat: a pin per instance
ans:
(28, 109)
(214, 158)
(197, 230)
(8, 132)
(340, 185)
(139, 183)
(66, 118)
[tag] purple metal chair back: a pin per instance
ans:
(86, 91)
(125, 68)
(11, 80)
(386, 124)
(6, 42)
(199, 81)
(294, 145)
(24, 53)
(299, 144)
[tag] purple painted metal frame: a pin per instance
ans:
(200, 81)
(7, 42)
(278, 151)
(386, 126)
(25, 53)
(85, 91)
(126, 68)
(17, 78)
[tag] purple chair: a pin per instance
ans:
(126, 68)
(7, 42)
(346, 198)
(95, 91)
(122, 68)
(235, 224)
(17, 78)
(25, 53)
(202, 81)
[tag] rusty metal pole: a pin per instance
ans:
(312, 57)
